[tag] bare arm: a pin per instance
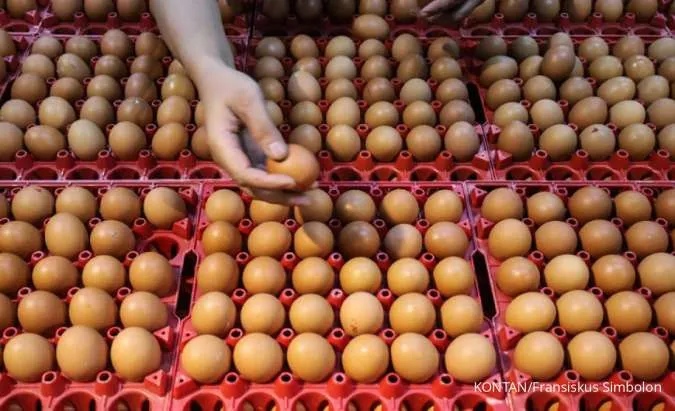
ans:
(194, 33)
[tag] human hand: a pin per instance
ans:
(450, 11)
(232, 99)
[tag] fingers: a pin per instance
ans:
(263, 131)
(278, 197)
(465, 9)
(436, 7)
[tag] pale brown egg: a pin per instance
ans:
(414, 357)
(320, 207)
(638, 67)
(365, 358)
(112, 66)
(120, 203)
(517, 275)
(32, 204)
(27, 356)
(258, 357)
(369, 26)
(646, 237)
(270, 46)
(20, 238)
(313, 239)
(540, 355)
(15, 272)
(218, 272)
(361, 313)
(148, 65)
(86, 139)
(638, 140)
(423, 141)
(626, 113)
(510, 112)
(378, 89)
(384, 143)
(590, 203)
(605, 67)
(221, 236)
(66, 236)
(300, 164)
(500, 204)
(443, 205)
(453, 276)
(44, 142)
(360, 274)
(206, 359)
(56, 112)
(600, 237)
(93, 308)
(461, 314)
(546, 113)
(407, 275)
(555, 238)
(509, 238)
(545, 206)
(664, 307)
(451, 89)
(264, 275)
(644, 355)
(310, 357)
(313, 275)
(54, 274)
(579, 311)
(632, 207)
(530, 311)
(592, 48)
(213, 313)
(628, 312)
(652, 88)
(470, 358)
(113, 238)
(71, 65)
(81, 353)
(152, 272)
(592, 355)
(41, 312)
(99, 110)
(135, 354)
(529, 67)
(617, 89)
(262, 313)
(613, 273)
(506, 90)
(445, 239)
(39, 65)
(18, 112)
(269, 239)
(354, 205)
(452, 112)
(575, 89)
(12, 141)
(104, 272)
(657, 113)
(68, 89)
(163, 207)
(343, 142)
(565, 273)
(140, 85)
(598, 140)
(47, 45)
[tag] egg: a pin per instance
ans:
(20, 238)
(360, 274)
(613, 273)
(657, 114)
(152, 272)
(503, 91)
(638, 140)
(221, 236)
(7, 46)
(206, 359)
(41, 312)
(653, 271)
(384, 143)
(47, 45)
(81, 353)
(558, 63)
(313, 239)
(343, 142)
(13, 137)
(626, 113)
(320, 207)
(361, 313)
(258, 357)
(638, 67)
(500, 204)
(310, 357)
(365, 358)
(414, 90)
(372, 47)
(173, 110)
(508, 113)
(354, 205)
(377, 89)
(445, 239)
(452, 112)
(590, 203)
(451, 89)
(86, 139)
(120, 203)
(163, 207)
(263, 275)
(135, 110)
(7, 312)
(579, 311)
(490, 46)
(529, 67)
(27, 356)
(545, 206)
(509, 238)
(269, 239)
(261, 211)
(305, 135)
(600, 237)
(262, 313)
(303, 45)
(300, 164)
(311, 313)
(414, 357)
(461, 314)
(218, 272)
(646, 237)
(113, 238)
(145, 310)
(343, 111)
(547, 113)
(54, 274)
(592, 355)
(71, 65)
(270, 46)
(358, 239)
(92, 307)
(605, 67)
(99, 110)
(566, 272)
(213, 313)
(575, 89)
(540, 355)
(302, 86)
(517, 275)
(530, 311)
(56, 112)
(310, 65)
(652, 88)
(17, 8)
(169, 141)
(496, 68)
(664, 309)
(29, 87)
(443, 205)
(423, 141)
(535, 88)
(140, 85)
(412, 66)
(598, 140)
(470, 358)
(66, 235)
(343, 87)
(381, 113)
(18, 112)
(44, 142)
(663, 205)
(135, 353)
(407, 275)
(32, 204)
(628, 312)
(644, 355)
(555, 238)
(369, 26)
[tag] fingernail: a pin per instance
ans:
(277, 150)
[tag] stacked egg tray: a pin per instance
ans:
(108, 391)
(597, 394)
(338, 392)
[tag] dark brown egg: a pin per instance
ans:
(47, 46)
(65, 236)
(496, 68)
(575, 89)
(378, 7)
(445, 239)
(54, 274)
(112, 238)
(20, 238)
(513, 10)
(546, 113)
(29, 87)
(516, 138)
(592, 355)
(130, 10)
(148, 43)
(27, 357)
(414, 357)
(308, 9)
(15, 272)
(369, 26)
(32, 204)
(423, 142)
(545, 206)
(490, 46)
(403, 241)
(413, 313)
(443, 205)
(41, 312)
(361, 313)
(117, 43)
(7, 46)
(354, 205)
(517, 275)
(598, 140)
(546, 9)
(99, 110)
(654, 271)
(509, 238)
(555, 238)
(644, 355)
(579, 311)
(632, 206)
(264, 275)
(520, 312)
(600, 237)
(613, 273)
(358, 239)
(558, 63)
(104, 272)
(638, 140)
(82, 47)
(501, 204)
(566, 272)
(510, 112)
(93, 308)
(384, 143)
(270, 46)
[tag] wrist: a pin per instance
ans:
(202, 69)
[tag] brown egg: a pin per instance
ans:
(404, 45)
(206, 359)
(343, 142)
(343, 111)
(343, 87)
(509, 238)
(565, 273)
(613, 273)
(311, 313)
(517, 275)
(453, 276)
(113, 238)
(130, 10)
(300, 164)
(86, 139)
(529, 67)
(47, 45)
(523, 47)
(558, 63)
(68, 89)
(452, 112)
(644, 10)
(559, 141)
(7, 313)
(7, 46)
(213, 313)
(628, 312)
(652, 88)
(516, 139)
(664, 307)
(71, 65)
(415, 90)
(628, 46)
(500, 204)
(303, 45)
(112, 66)
(152, 272)
(221, 236)
(384, 143)
(644, 355)
(399, 206)
(32, 204)
(305, 135)
(530, 312)
(163, 207)
(547, 113)
(218, 272)
(414, 357)
(365, 358)
(122, 204)
(590, 203)
(270, 46)
(638, 67)
(378, 7)
(258, 357)
(372, 47)
(374, 67)
(268, 67)
(667, 69)
(579, 311)
(310, 357)
(56, 112)
(575, 89)
(545, 206)
(504, 91)
(302, 86)
(414, 313)
(12, 140)
(143, 309)
(358, 239)
(272, 89)
(313, 275)
(149, 43)
(665, 205)
(262, 313)
(451, 89)
(470, 358)
(598, 140)
(261, 211)
(41, 312)
(178, 85)
(381, 113)
(360, 274)
(264, 275)
(555, 238)
(592, 355)
(423, 141)
(626, 113)
(646, 237)
(269, 239)
(173, 110)
(443, 205)
(277, 116)
(638, 140)
(369, 26)
(600, 237)
(616, 89)
(140, 85)
(632, 206)
(377, 89)
(99, 110)
(66, 235)
(148, 65)
(169, 141)
(444, 68)
(27, 356)
(540, 355)
(313, 239)
(354, 205)
(361, 313)
(81, 353)
(407, 275)
(508, 113)
(18, 112)
(135, 353)
(536, 88)
(412, 66)
(53, 273)
(320, 207)
(490, 46)
(29, 87)
(135, 110)
(605, 67)
(304, 112)
(657, 112)
(461, 314)
(44, 142)
(445, 239)
(93, 308)
(592, 48)
(20, 238)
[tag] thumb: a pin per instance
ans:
(436, 7)
(261, 128)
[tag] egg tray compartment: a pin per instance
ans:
(659, 26)
(29, 23)
(81, 24)
(108, 391)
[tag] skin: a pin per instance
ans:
(450, 11)
(194, 32)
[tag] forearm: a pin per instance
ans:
(193, 31)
